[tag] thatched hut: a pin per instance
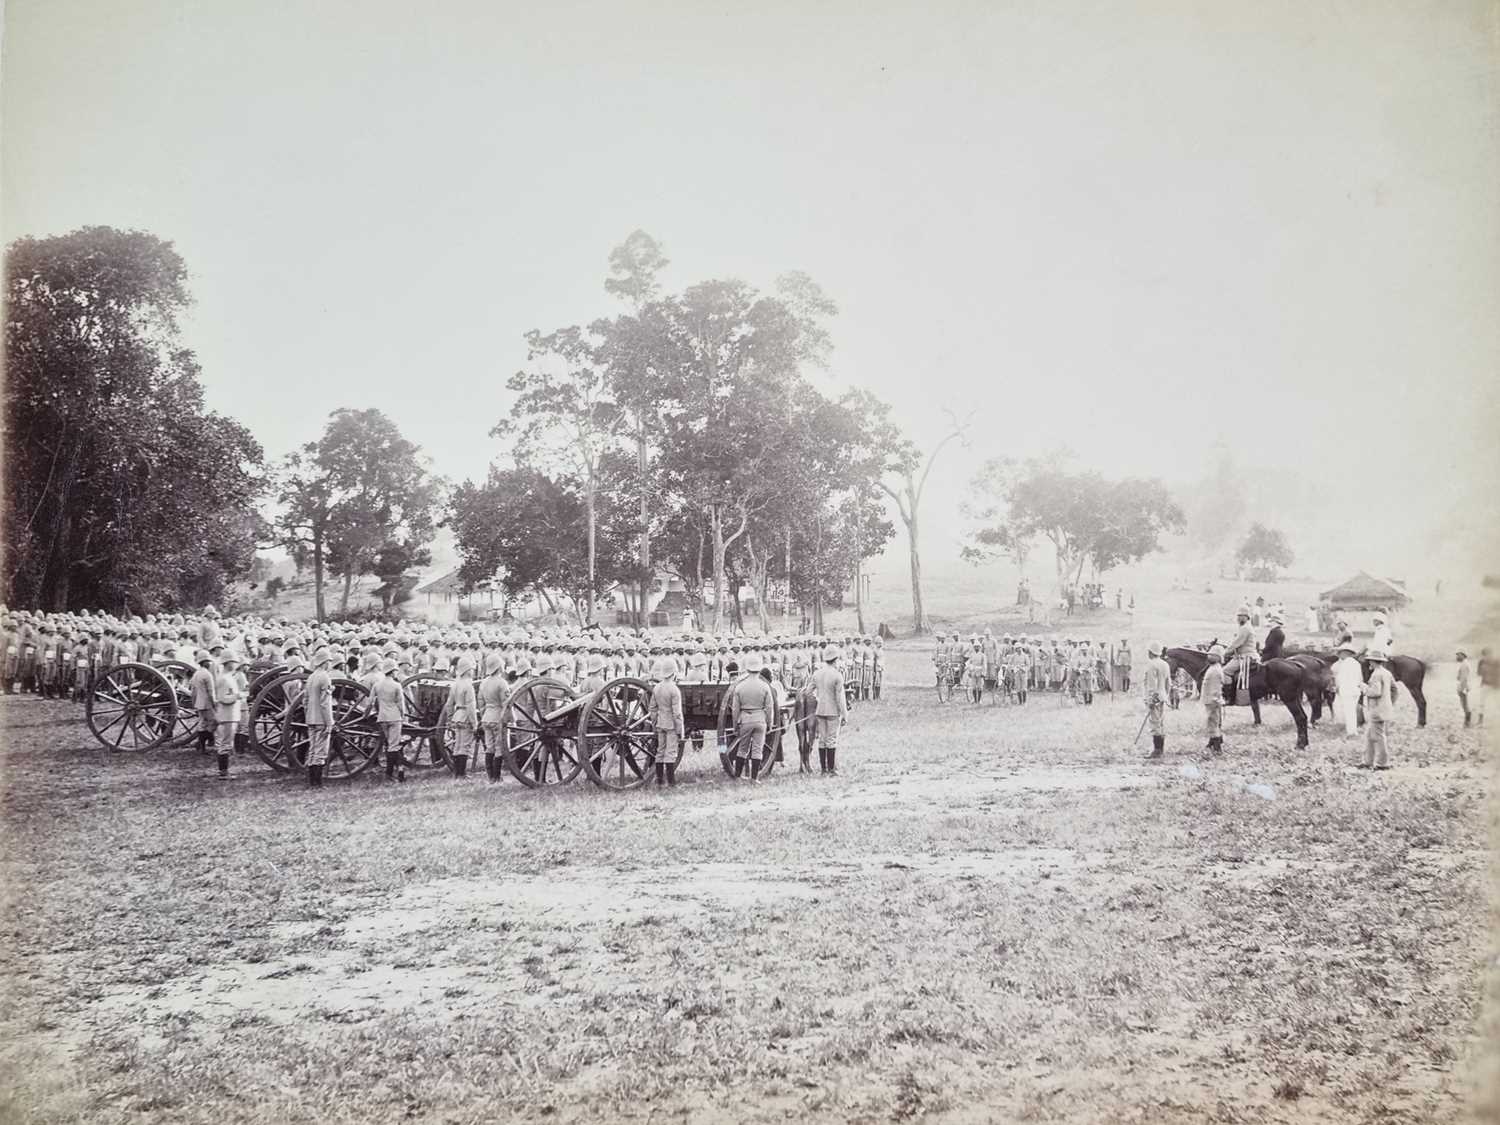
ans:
(1364, 592)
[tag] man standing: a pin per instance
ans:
(832, 711)
(1346, 686)
(1380, 702)
(1382, 638)
(1122, 662)
(1488, 672)
(1213, 698)
(666, 720)
(318, 708)
(229, 696)
(1463, 683)
(389, 703)
(1154, 687)
(202, 688)
(752, 705)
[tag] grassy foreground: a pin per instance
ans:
(992, 915)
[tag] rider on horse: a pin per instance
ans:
(1242, 650)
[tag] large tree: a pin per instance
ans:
(1086, 518)
(565, 421)
(1265, 550)
(360, 489)
(122, 489)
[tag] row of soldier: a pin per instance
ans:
(1016, 665)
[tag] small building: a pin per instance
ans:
(1364, 593)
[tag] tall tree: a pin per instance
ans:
(904, 479)
(565, 420)
(359, 489)
(121, 488)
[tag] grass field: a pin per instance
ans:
(994, 914)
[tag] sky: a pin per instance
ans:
(1141, 231)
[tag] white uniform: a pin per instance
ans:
(1348, 684)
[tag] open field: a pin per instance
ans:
(1002, 915)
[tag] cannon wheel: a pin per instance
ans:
(619, 746)
(540, 753)
(132, 707)
(180, 676)
(945, 682)
(423, 746)
(355, 742)
(269, 705)
(727, 736)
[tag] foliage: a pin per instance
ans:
(274, 587)
(122, 489)
(1086, 518)
(359, 490)
(1265, 550)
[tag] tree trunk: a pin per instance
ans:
(344, 599)
(716, 528)
(318, 576)
(859, 586)
(640, 461)
(787, 562)
(918, 615)
(589, 506)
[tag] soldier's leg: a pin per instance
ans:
(224, 744)
(318, 735)
(207, 725)
(757, 749)
(463, 747)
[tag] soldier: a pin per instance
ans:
(833, 709)
(1213, 698)
(203, 686)
(494, 693)
(1242, 649)
(1464, 677)
(229, 696)
(1275, 638)
(667, 720)
(1380, 700)
(1154, 687)
(877, 667)
(1382, 639)
(461, 711)
(1123, 659)
(752, 711)
(318, 708)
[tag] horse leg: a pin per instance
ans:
(1293, 701)
(1255, 709)
(1421, 702)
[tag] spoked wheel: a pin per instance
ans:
(422, 745)
(539, 734)
(180, 676)
(728, 733)
(944, 685)
(133, 707)
(1185, 685)
(269, 706)
(354, 742)
(614, 731)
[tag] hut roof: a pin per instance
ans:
(1365, 591)
(447, 584)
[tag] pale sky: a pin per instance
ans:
(1134, 228)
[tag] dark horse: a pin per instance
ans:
(1287, 680)
(1408, 671)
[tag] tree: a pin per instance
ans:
(392, 564)
(904, 480)
(274, 586)
(121, 488)
(1085, 517)
(1265, 551)
(354, 492)
(565, 420)
(528, 530)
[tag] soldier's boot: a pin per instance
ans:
(489, 764)
(202, 738)
(755, 769)
(1158, 746)
(672, 773)
(1218, 744)
(241, 742)
(661, 774)
(822, 759)
(833, 768)
(739, 767)
(460, 765)
(224, 766)
(315, 777)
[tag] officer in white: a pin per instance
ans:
(1242, 650)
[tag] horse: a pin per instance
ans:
(1408, 671)
(1287, 680)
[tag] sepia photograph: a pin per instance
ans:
(825, 560)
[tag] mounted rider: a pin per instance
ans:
(1275, 639)
(1242, 651)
